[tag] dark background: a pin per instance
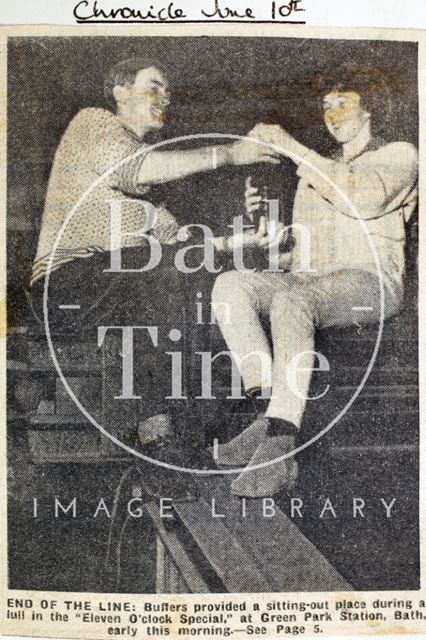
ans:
(222, 85)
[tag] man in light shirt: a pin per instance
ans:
(99, 140)
(354, 207)
(104, 165)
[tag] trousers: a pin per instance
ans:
(154, 298)
(296, 305)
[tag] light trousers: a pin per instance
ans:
(296, 305)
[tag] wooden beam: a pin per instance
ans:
(175, 549)
(288, 560)
(232, 562)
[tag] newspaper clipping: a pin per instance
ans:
(212, 336)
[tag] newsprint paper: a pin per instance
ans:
(213, 349)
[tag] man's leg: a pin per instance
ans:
(315, 303)
(292, 316)
(307, 303)
(155, 298)
(239, 300)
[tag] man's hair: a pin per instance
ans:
(124, 74)
(368, 81)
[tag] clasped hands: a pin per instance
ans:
(246, 151)
(276, 135)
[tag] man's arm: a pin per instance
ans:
(164, 166)
(133, 173)
(370, 185)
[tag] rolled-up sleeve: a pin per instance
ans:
(114, 151)
(128, 174)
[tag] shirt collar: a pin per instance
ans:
(374, 143)
(130, 131)
(357, 145)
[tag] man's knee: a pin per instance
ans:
(227, 285)
(292, 302)
(234, 296)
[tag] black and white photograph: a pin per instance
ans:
(212, 342)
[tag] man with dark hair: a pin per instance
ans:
(98, 140)
(361, 197)
(124, 74)
(368, 82)
(103, 166)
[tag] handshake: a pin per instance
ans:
(247, 151)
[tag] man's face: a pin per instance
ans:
(343, 115)
(148, 97)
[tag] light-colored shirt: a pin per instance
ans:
(94, 142)
(376, 195)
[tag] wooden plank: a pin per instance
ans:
(361, 421)
(383, 368)
(16, 223)
(232, 562)
(176, 584)
(74, 356)
(16, 366)
(48, 446)
(160, 567)
(382, 391)
(15, 416)
(362, 428)
(374, 449)
(282, 553)
(77, 459)
(50, 420)
(177, 553)
(68, 446)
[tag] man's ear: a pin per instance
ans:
(120, 93)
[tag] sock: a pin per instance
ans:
(280, 427)
(255, 392)
(260, 404)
